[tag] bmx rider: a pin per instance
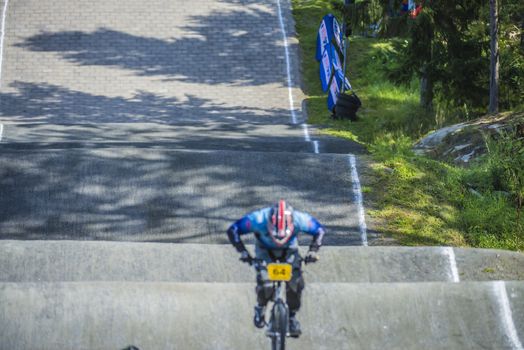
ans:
(276, 229)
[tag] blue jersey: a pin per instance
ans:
(257, 222)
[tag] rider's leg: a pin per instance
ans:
(296, 285)
(264, 288)
(294, 292)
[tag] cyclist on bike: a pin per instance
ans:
(276, 230)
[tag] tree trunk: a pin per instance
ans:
(391, 8)
(522, 35)
(426, 90)
(494, 66)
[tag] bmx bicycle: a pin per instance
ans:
(279, 273)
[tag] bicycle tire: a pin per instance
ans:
(280, 317)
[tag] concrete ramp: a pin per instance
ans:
(110, 295)
(76, 261)
(107, 315)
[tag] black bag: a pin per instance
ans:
(347, 107)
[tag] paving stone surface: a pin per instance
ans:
(91, 89)
(160, 61)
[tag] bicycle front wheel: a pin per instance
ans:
(280, 324)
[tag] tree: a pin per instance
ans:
(447, 50)
(494, 59)
(462, 60)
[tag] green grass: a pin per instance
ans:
(415, 200)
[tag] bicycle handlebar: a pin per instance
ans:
(257, 262)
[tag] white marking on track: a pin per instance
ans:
(507, 318)
(453, 270)
(289, 80)
(2, 35)
(357, 192)
(1, 131)
(315, 146)
(288, 65)
(306, 132)
(307, 138)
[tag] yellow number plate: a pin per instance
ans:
(279, 272)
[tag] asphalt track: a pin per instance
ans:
(114, 128)
(130, 194)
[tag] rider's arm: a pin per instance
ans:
(310, 225)
(316, 242)
(240, 227)
(234, 237)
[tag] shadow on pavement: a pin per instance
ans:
(239, 47)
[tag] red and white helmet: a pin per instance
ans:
(281, 226)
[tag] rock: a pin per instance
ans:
(462, 143)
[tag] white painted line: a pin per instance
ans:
(307, 138)
(289, 80)
(2, 35)
(306, 133)
(288, 66)
(315, 146)
(507, 318)
(453, 271)
(357, 191)
(1, 131)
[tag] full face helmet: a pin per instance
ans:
(280, 226)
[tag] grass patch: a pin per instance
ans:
(417, 201)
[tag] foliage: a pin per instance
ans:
(449, 44)
(429, 202)
(490, 221)
(416, 200)
(506, 165)
(417, 205)
(360, 14)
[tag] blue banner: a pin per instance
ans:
(329, 40)
(330, 48)
(328, 33)
(335, 87)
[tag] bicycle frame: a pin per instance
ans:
(278, 326)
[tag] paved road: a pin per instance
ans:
(142, 194)
(158, 61)
(158, 121)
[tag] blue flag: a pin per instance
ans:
(330, 48)
(335, 87)
(328, 33)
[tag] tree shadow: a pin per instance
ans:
(161, 195)
(158, 194)
(238, 47)
(139, 192)
(32, 102)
